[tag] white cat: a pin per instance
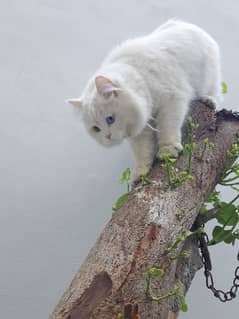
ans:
(150, 81)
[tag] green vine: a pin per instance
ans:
(225, 213)
(182, 254)
(190, 146)
(153, 272)
(181, 238)
(206, 145)
(174, 175)
(124, 179)
(144, 180)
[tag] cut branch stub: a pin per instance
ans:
(113, 274)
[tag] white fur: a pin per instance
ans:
(154, 76)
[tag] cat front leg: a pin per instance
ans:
(170, 119)
(144, 149)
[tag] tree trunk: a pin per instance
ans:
(111, 282)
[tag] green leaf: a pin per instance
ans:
(186, 149)
(190, 177)
(183, 254)
(214, 198)
(211, 145)
(234, 151)
(216, 231)
(230, 239)
(172, 160)
(224, 87)
(144, 180)
(182, 303)
(155, 272)
(120, 201)
(219, 234)
(184, 307)
(193, 146)
(227, 215)
(125, 176)
(165, 156)
(203, 209)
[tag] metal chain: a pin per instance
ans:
(223, 296)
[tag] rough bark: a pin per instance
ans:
(111, 282)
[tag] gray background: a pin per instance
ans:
(57, 185)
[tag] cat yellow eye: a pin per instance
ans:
(96, 129)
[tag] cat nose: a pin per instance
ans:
(108, 136)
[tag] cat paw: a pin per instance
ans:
(140, 171)
(172, 149)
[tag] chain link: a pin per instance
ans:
(223, 296)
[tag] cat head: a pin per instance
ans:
(110, 112)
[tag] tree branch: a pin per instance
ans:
(111, 282)
(205, 217)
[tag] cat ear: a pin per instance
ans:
(105, 86)
(75, 102)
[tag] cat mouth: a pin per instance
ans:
(112, 142)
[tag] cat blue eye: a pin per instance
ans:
(110, 119)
